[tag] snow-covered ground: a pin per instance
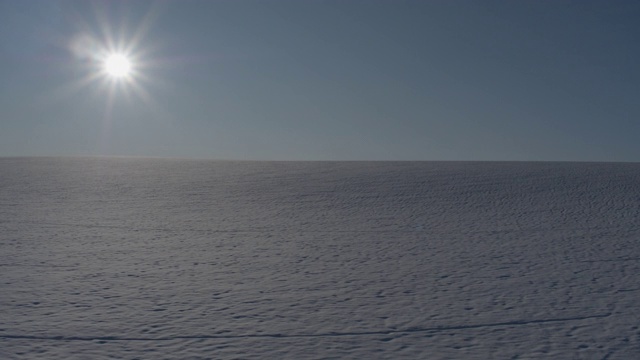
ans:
(175, 259)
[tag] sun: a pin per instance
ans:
(117, 66)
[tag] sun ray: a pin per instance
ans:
(144, 26)
(106, 30)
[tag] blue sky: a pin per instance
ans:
(324, 80)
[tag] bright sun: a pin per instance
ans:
(117, 66)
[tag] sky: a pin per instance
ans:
(323, 80)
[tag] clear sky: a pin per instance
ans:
(323, 80)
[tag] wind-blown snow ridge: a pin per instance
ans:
(280, 230)
(329, 334)
(613, 260)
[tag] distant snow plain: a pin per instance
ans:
(122, 258)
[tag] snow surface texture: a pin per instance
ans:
(173, 259)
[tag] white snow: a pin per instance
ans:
(172, 259)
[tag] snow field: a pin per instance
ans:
(171, 259)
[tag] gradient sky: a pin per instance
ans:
(325, 80)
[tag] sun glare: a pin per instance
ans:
(117, 66)
(114, 61)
